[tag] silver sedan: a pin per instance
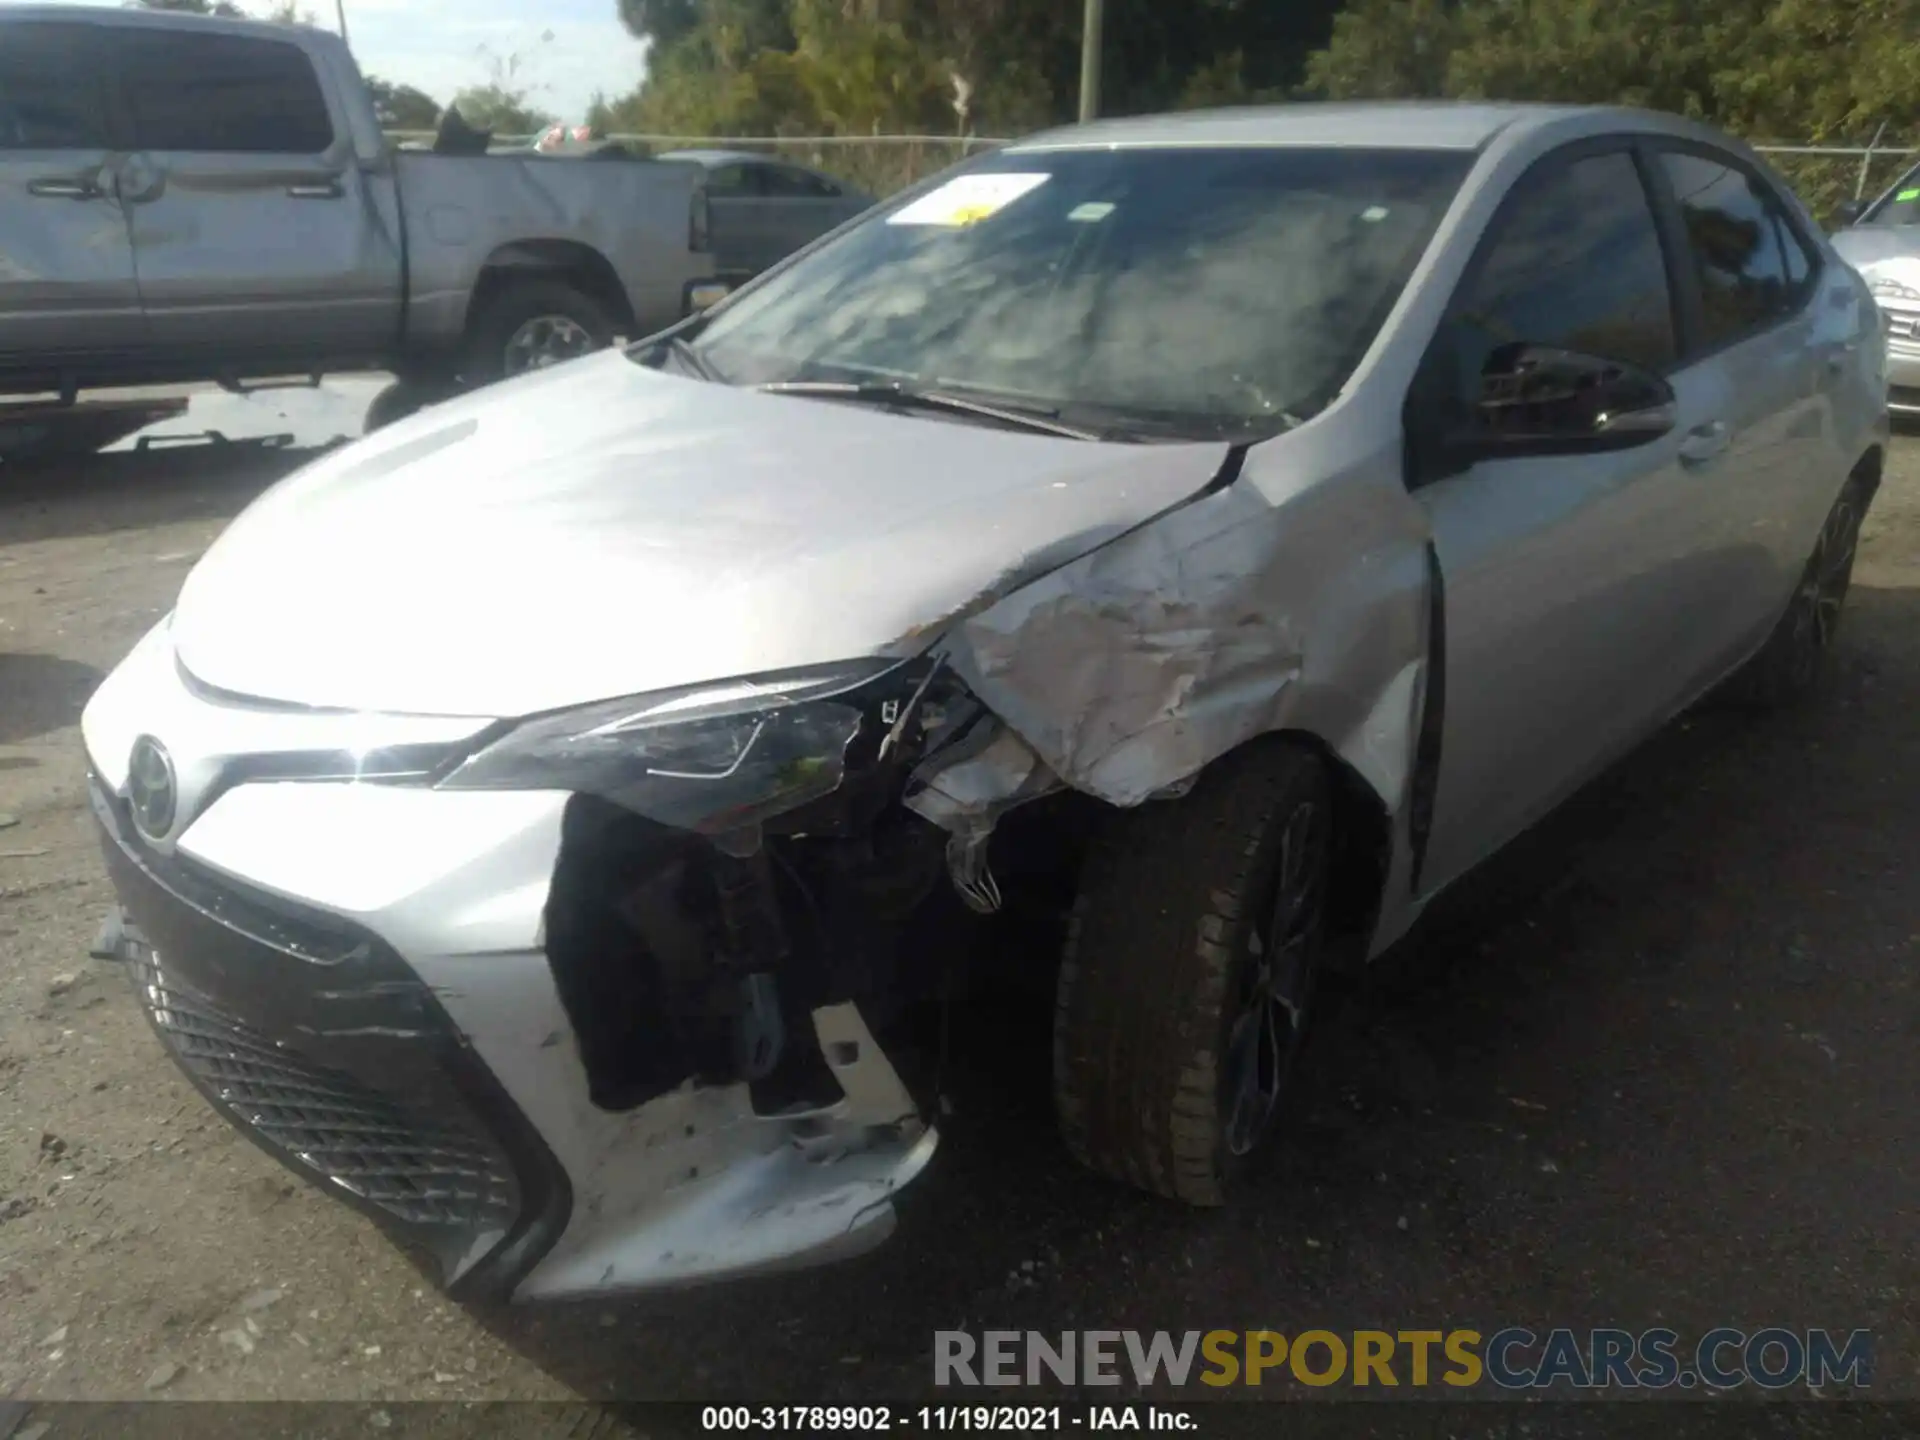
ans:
(1883, 243)
(533, 819)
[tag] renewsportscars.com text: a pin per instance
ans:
(1770, 1357)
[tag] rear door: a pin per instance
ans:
(1755, 329)
(67, 292)
(1573, 601)
(254, 233)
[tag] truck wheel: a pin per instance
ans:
(531, 324)
(1188, 974)
(400, 399)
(1790, 663)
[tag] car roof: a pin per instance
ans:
(1377, 124)
(123, 16)
(724, 157)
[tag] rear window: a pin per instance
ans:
(221, 93)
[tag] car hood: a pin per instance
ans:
(603, 529)
(1877, 249)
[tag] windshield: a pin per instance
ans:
(1900, 205)
(1186, 292)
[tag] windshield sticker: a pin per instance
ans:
(1908, 195)
(967, 200)
(1091, 213)
(1374, 214)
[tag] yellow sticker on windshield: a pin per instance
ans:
(1908, 195)
(967, 200)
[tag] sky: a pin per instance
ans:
(445, 45)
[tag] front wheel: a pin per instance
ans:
(1189, 972)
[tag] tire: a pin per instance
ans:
(1791, 663)
(401, 399)
(1170, 939)
(492, 351)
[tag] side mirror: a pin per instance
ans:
(1535, 400)
(1848, 213)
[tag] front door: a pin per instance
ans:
(1572, 599)
(254, 234)
(67, 292)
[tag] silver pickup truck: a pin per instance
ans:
(184, 198)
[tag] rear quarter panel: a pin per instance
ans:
(461, 210)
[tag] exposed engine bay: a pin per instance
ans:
(703, 950)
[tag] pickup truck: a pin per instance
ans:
(192, 199)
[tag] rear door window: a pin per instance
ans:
(791, 184)
(733, 180)
(1737, 238)
(49, 91)
(230, 94)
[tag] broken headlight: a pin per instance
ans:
(713, 759)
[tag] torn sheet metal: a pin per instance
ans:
(693, 1186)
(1269, 605)
(965, 792)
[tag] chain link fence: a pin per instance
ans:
(1825, 175)
(878, 164)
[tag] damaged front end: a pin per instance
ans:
(736, 861)
(740, 868)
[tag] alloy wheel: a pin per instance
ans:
(1276, 984)
(546, 340)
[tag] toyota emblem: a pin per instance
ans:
(151, 790)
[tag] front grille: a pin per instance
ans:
(282, 926)
(321, 1120)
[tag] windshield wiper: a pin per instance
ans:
(933, 401)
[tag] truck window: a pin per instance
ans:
(221, 93)
(791, 184)
(47, 97)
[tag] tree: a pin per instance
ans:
(504, 104)
(401, 107)
(500, 109)
(664, 22)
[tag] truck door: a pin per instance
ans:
(67, 293)
(255, 237)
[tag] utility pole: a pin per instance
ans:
(340, 8)
(1090, 36)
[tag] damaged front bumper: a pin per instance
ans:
(358, 977)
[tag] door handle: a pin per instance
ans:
(1705, 442)
(64, 188)
(317, 190)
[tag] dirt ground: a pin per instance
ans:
(1659, 1066)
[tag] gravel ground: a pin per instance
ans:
(1656, 1067)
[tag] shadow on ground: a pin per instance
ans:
(126, 490)
(1606, 1077)
(40, 694)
